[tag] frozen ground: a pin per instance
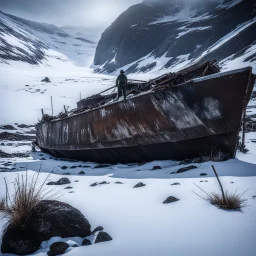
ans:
(137, 219)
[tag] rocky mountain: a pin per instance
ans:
(33, 42)
(159, 34)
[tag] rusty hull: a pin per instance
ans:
(183, 121)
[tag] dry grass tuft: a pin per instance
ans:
(27, 194)
(224, 200)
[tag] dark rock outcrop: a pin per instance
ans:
(159, 29)
(97, 229)
(48, 219)
(103, 237)
(156, 168)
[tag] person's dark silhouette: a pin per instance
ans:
(121, 83)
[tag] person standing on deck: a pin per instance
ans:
(121, 83)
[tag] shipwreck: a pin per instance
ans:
(175, 116)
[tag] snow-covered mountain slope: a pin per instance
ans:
(160, 35)
(36, 43)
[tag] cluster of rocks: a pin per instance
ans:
(250, 124)
(49, 218)
(15, 137)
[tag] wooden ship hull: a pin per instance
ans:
(169, 121)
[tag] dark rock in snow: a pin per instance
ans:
(64, 167)
(139, 185)
(156, 168)
(2, 144)
(68, 187)
(119, 182)
(58, 248)
(203, 180)
(103, 183)
(86, 242)
(103, 237)
(15, 137)
(175, 184)
(97, 229)
(74, 245)
(62, 181)
(203, 174)
(48, 219)
(42, 159)
(73, 167)
(81, 173)
(94, 184)
(185, 169)
(46, 80)
(253, 197)
(170, 199)
(7, 127)
(101, 166)
(76, 181)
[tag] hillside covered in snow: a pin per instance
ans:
(37, 43)
(155, 36)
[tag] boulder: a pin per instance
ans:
(185, 169)
(58, 248)
(48, 219)
(81, 173)
(170, 199)
(62, 181)
(46, 80)
(103, 237)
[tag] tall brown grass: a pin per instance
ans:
(224, 200)
(17, 208)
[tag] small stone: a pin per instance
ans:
(203, 180)
(64, 167)
(86, 242)
(253, 197)
(42, 159)
(62, 181)
(79, 166)
(94, 184)
(156, 168)
(175, 184)
(68, 187)
(232, 182)
(172, 172)
(97, 229)
(119, 182)
(203, 174)
(71, 192)
(86, 166)
(73, 167)
(101, 166)
(76, 181)
(139, 185)
(81, 173)
(103, 237)
(26, 85)
(74, 245)
(170, 199)
(103, 183)
(185, 169)
(58, 248)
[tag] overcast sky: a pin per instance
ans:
(89, 13)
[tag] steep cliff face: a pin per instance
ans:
(157, 35)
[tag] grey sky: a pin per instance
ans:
(89, 13)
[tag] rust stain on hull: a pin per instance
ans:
(177, 122)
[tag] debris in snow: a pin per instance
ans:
(73, 167)
(94, 184)
(97, 229)
(86, 242)
(7, 127)
(81, 173)
(139, 185)
(203, 174)
(118, 182)
(103, 183)
(156, 168)
(58, 248)
(191, 167)
(103, 237)
(170, 199)
(62, 181)
(203, 180)
(64, 167)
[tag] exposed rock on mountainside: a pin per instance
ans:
(161, 34)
